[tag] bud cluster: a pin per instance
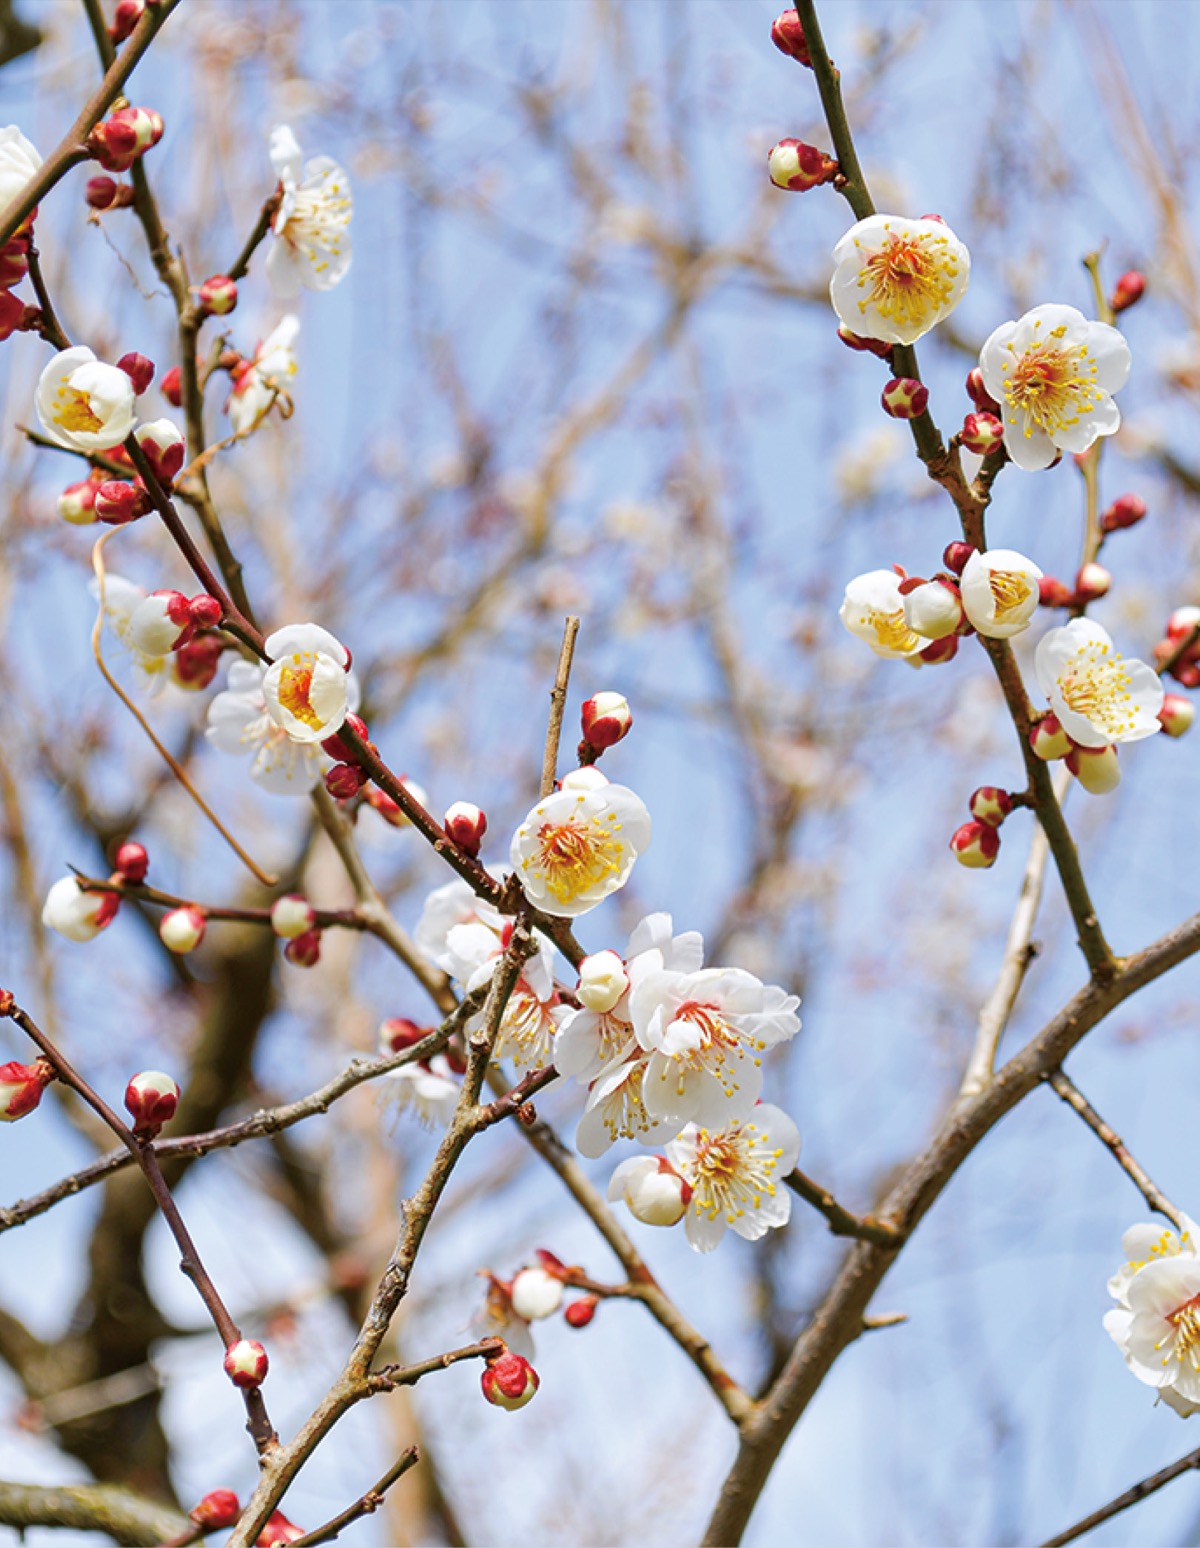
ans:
(1178, 652)
(1096, 768)
(977, 843)
(123, 136)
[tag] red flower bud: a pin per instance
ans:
(218, 1509)
(205, 611)
(798, 167)
(345, 780)
(1052, 592)
(164, 447)
(304, 950)
(990, 804)
(278, 1530)
(466, 825)
(118, 502)
(104, 193)
(151, 1097)
(194, 664)
(982, 433)
(509, 1381)
(1129, 288)
(787, 34)
(905, 397)
(246, 1363)
(1092, 581)
(398, 1033)
(975, 844)
(125, 19)
(868, 346)
(132, 862)
(1125, 511)
(579, 1313)
(138, 369)
(21, 1087)
(955, 556)
(979, 395)
(12, 314)
(605, 718)
(172, 387)
(14, 261)
(337, 749)
(218, 295)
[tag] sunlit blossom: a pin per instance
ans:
(873, 610)
(305, 686)
(895, 279)
(122, 598)
(430, 1088)
(78, 915)
(616, 1109)
(1156, 1322)
(83, 403)
(1098, 696)
(736, 1175)
(238, 723)
(578, 846)
(999, 591)
(311, 226)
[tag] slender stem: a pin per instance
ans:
(261, 226)
(104, 43)
(324, 918)
(841, 1221)
(364, 1506)
(1075, 1099)
(51, 329)
(558, 703)
(1139, 1492)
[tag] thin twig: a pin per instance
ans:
(841, 1221)
(1070, 1093)
(261, 226)
(1139, 1492)
(364, 1506)
(558, 703)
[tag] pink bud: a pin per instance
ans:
(787, 34)
(304, 950)
(1096, 768)
(194, 664)
(865, 346)
(990, 804)
(509, 1381)
(1125, 511)
(132, 862)
(182, 929)
(982, 433)
(796, 166)
(151, 1098)
(1177, 714)
(246, 1363)
(138, 369)
(1129, 288)
(124, 136)
(605, 718)
(1182, 622)
(125, 18)
(345, 780)
(77, 503)
(118, 502)
(278, 1530)
(466, 825)
(1186, 674)
(164, 446)
(1048, 739)
(205, 611)
(21, 1087)
(955, 556)
(579, 1313)
(14, 261)
(218, 295)
(976, 845)
(218, 1509)
(104, 193)
(1052, 592)
(12, 314)
(398, 1033)
(337, 749)
(291, 916)
(172, 387)
(938, 652)
(978, 393)
(905, 397)
(1092, 581)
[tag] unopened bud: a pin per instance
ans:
(132, 862)
(1048, 739)
(105, 193)
(194, 664)
(118, 502)
(905, 397)
(982, 433)
(979, 395)
(855, 341)
(955, 556)
(651, 1189)
(14, 261)
(466, 825)
(246, 1363)
(12, 314)
(337, 749)
(536, 1294)
(278, 1531)
(77, 503)
(1131, 287)
(164, 446)
(1092, 581)
(160, 622)
(798, 167)
(124, 136)
(990, 804)
(605, 718)
(1125, 511)
(291, 916)
(172, 387)
(933, 610)
(1052, 592)
(1096, 768)
(138, 369)
(205, 611)
(151, 1099)
(787, 34)
(975, 844)
(602, 981)
(182, 929)
(21, 1087)
(1177, 714)
(304, 950)
(125, 18)
(579, 1313)
(398, 1033)
(344, 780)
(509, 1381)
(218, 295)
(218, 1509)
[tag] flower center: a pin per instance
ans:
(1185, 1320)
(1052, 385)
(575, 856)
(892, 631)
(1097, 688)
(1009, 592)
(733, 1171)
(623, 1110)
(295, 685)
(318, 217)
(910, 277)
(526, 1029)
(73, 410)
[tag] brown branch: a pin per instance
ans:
(841, 1221)
(122, 1515)
(364, 1506)
(558, 703)
(1070, 1093)
(1132, 1496)
(261, 226)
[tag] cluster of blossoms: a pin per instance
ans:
(1156, 1321)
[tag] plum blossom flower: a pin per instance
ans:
(895, 279)
(305, 686)
(736, 1175)
(19, 160)
(1097, 695)
(1156, 1322)
(578, 846)
(259, 381)
(429, 1088)
(75, 914)
(999, 591)
(312, 246)
(1053, 373)
(873, 610)
(83, 403)
(238, 723)
(616, 1109)
(651, 1189)
(447, 908)
(704, 1032)
(122, 598)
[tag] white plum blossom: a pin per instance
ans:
(312, 240)
(736, 1175)
(616, 1109)
(19, 160)
(1156, 1323)
(1053, 374)
(895, 279)
(259, 381)
(83, 403)
(873, 610)
(305, 686)
(704, 1033)
(446, 909)
(578, 846)
(999, 592)
(535, 1294)
(651, 1190)
(238, 723)
(602, 981)
(430, 1088)
(1098, 696)
(75, 914)
(122, 599)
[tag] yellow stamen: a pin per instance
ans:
(295, 685)
(910, 278)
